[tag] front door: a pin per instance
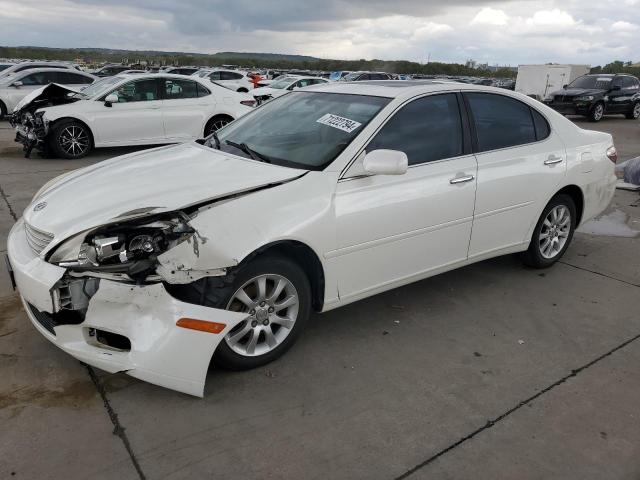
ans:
(395, 229)
(136, 118)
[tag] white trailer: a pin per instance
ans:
(539, 81)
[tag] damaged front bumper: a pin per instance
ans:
(123, 327)
(31, 131)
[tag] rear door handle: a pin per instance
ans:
(552, 160)
(466, 178)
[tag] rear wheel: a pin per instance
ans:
(216, 123)
(275, 294)
(553, 233)
(3, 111)
(243, 90)
(634, 114)
(597, 112)
(71, 139)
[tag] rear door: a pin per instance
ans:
(185, 109)
(619, 98)
(521, 162)
(135, 119)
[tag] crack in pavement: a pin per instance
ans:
(491, 423)
(600, 273)
(6, 200)
(118, 429)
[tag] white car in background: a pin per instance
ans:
(237, 80)
(284, 85)
(125, 110)
(28, 65)
(173, 257)
(15, 87)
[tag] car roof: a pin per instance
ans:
(43, 69)
(396, 88)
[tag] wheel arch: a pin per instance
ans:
(3, 108)
(576, 194)
(305, 257)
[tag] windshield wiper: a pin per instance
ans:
(243, 147)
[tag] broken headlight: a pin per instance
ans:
(130, 247)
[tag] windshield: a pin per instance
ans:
(283, 82)
(351, 76)
(100, 86)
(592, 81)
(300, 129)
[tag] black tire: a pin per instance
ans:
(220, 297)
(242, 90)
(3, 111)
(596, 113)
(634, 113)
(61, 134)
(534, 257)
(216, 123)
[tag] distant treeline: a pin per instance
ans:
(618, 67)
(276, 61)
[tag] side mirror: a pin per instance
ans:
(17, 84)
(386, 162)
(110, 99)
(564, 86)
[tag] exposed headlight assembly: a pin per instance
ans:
(129, 247)
(585, 98)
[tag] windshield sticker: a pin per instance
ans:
(338, 122)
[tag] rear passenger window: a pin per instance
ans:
(426, 129)
(542, 126)
(202, 92)
(180, 89)
(500, 121)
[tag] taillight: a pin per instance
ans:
(248, 103)
(612, 154)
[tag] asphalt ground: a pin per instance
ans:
(492, 371)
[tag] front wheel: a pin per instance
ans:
(275, 294)
(596, 113)
(634, 114)
(70, 139)
(553, 233)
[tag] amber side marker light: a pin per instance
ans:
(201, 325)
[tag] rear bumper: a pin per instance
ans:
(161, 352)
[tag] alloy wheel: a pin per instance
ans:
(636, 110)
(598, 111)
(74, 141)
(217, 125)
(554, 231)
(272, 304)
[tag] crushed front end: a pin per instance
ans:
(29, 120)
(101, 297)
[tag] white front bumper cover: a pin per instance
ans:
(161, 352)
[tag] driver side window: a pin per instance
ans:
(138, 91)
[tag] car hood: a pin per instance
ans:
(258, 92)
(575, 92)
(49, 93)
(146, 183)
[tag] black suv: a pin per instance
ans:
(597, 95)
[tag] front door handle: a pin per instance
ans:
(552, 160)
(466, 178)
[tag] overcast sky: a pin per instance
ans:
(497, 32)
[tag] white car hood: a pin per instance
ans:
(39, 91)
(144, 183)
(257, 92)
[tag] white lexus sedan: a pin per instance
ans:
(159, 262)
(124, 110)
